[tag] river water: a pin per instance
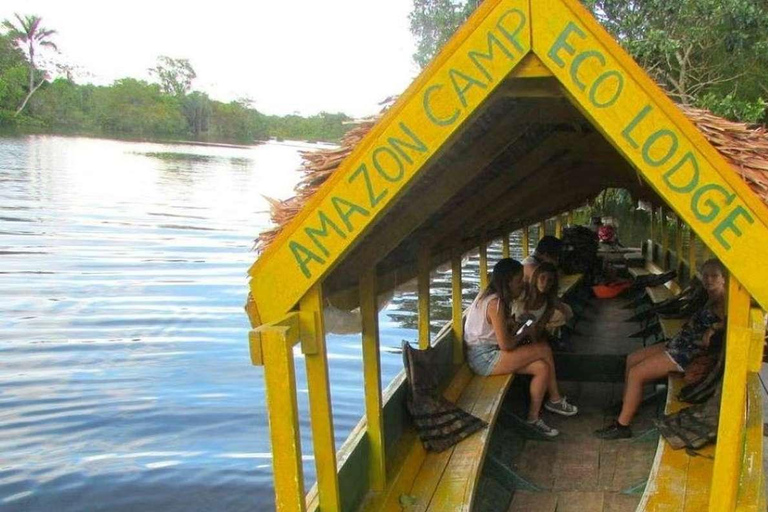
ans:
(125, 381)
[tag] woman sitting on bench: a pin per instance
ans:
(493, 350)
(657, 361)
(541, 302)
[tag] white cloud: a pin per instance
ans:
(298, 55)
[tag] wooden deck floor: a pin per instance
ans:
(576, 471)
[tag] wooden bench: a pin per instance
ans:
(428, 481)
(678, 481)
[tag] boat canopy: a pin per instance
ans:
(530, 110)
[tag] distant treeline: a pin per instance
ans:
(140, 109)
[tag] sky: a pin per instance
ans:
(288, 56)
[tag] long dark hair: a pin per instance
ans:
(533, 290)
(503, 272)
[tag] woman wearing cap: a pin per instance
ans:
(493, 350)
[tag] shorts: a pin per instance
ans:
(482, 359)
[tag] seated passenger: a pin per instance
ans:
(547, 251)
(657, 361)
(542, 303)
(492, 349)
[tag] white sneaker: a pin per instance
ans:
(543, 428)
(563, 408)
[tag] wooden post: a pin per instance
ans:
(283, 413)
(505, 246)
(730, 431)
(559, 226)
(377, 476)
(457, 309)
(312, 328)
(483, 265)
(664, 239)
(526, 243)
(542, 229)
(423, 290)
(691, 252)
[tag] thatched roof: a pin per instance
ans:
(745, 147)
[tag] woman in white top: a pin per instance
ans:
(493, 350)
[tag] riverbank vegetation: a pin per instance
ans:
(704, 53)
(39, 95)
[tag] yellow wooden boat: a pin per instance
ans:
(529, 112)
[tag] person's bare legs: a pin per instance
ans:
(641, 355)
(513, 360)
(651, 368)
(539, 370)
(554, 391)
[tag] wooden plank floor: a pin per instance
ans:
(576, 471)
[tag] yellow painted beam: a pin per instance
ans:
(559, 226)
(542, 229)
(526, 243)
(288, 324)
(312, 327)
(377, 476)
(392, 155)
(505, 246)
(757, 338)
(570, 217)
(423, 265)
(731, 427)
(751, 492)
(646, 127)
(283, 415)
(533, 88)
(531, 67)
(457, 308)
(483, 265)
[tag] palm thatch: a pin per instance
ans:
(745, 147)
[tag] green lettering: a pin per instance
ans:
(730, 223)
(303, 257)
(470, 82)
(512, 36)
(561, 43)
(652, 140)
(351, 209)
(397, 176)
(416, 144)
(602, 78)
(476, 56)
(714, 208)
(373, 199)
(444, 121)
(692, 182)
(627, 132)
(579, 60)
(325, 222)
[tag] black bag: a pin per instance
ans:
(439, 423)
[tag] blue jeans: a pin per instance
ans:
(482, 359)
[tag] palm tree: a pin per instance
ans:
(29, 35)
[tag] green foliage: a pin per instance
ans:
(731, 107)
(433, 22)
(175, 75)
(130, 107)
(711, 53)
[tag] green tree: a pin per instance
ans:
(175, 75)
(29, 35)
(197, 110)
(433, 22)
(710, 53)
